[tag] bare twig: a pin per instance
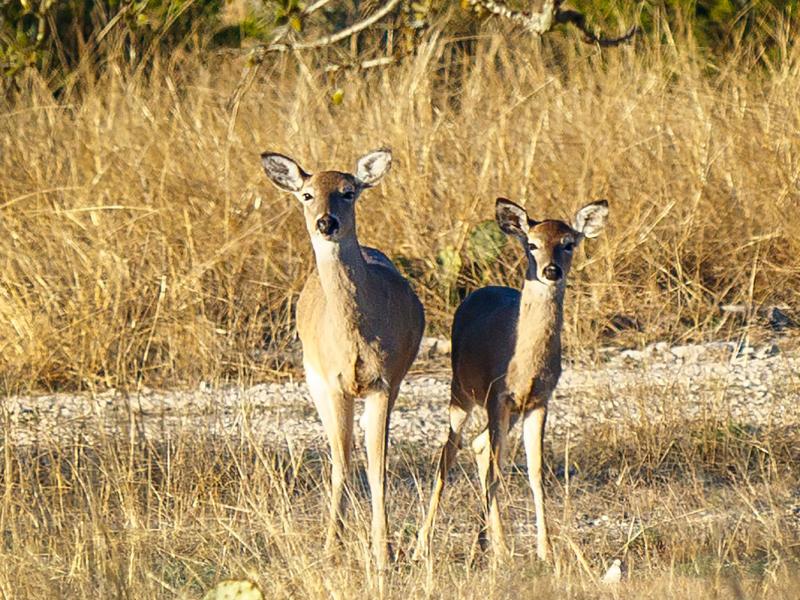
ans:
(315, 7)
(327, 40)
(363, 65)
(579, 20)
(112, 23)
(309, 10)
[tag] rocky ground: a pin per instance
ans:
(756, 386)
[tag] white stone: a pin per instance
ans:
(614, 573)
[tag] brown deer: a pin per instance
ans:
(360, 324)
(506, 357)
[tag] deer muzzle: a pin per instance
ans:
(327, 225)
(552, 272)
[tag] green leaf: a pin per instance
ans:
(296, 22)
(337, 97)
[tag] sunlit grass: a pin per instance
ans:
(697, 508)
(140, 240)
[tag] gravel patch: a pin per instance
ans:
(751, 385)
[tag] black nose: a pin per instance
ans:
(552, 272)
(327, 225)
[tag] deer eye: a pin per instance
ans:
(532, 246)
(307, 197)
(569, 246)
(348, 195)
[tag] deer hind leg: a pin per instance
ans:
(336, 413)
(458, 418)
(533, 437)
(489, 448)
(377, 410)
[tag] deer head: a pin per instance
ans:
(549, 245)
(328, 197)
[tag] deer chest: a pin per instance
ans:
(529, 392)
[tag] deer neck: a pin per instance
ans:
(536, 363)
(343, 276)
(541, 313)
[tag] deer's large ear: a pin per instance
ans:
(512, 218)
(591, 219)
(283, 171)
(373, 165)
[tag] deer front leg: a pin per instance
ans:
(336, 413)
(489, 449)
(377, 408)
(533, 437)
(340, 435)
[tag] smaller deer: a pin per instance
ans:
(506, 357)
(360, 324)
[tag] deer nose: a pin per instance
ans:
(552, 272)
(327, 225)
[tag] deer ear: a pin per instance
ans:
(374, 165)
(591, 219)
(284, 172)
(511, 218)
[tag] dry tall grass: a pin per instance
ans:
(139, 239)
(697, 510)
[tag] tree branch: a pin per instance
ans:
(327, 40)
(537, 23)
(382, 61)
(551, 13)
(258, 53)
(579, 21)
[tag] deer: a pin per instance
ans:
(506, 357)
(360, 324)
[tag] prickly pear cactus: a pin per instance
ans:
(234, 589)
(485, 243)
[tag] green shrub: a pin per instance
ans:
(53, 37)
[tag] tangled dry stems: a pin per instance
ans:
(140, 241)
(702, 511)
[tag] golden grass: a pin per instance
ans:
(700, 509)
(140, 240)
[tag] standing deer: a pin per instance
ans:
(506, 356)
(360, 324)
